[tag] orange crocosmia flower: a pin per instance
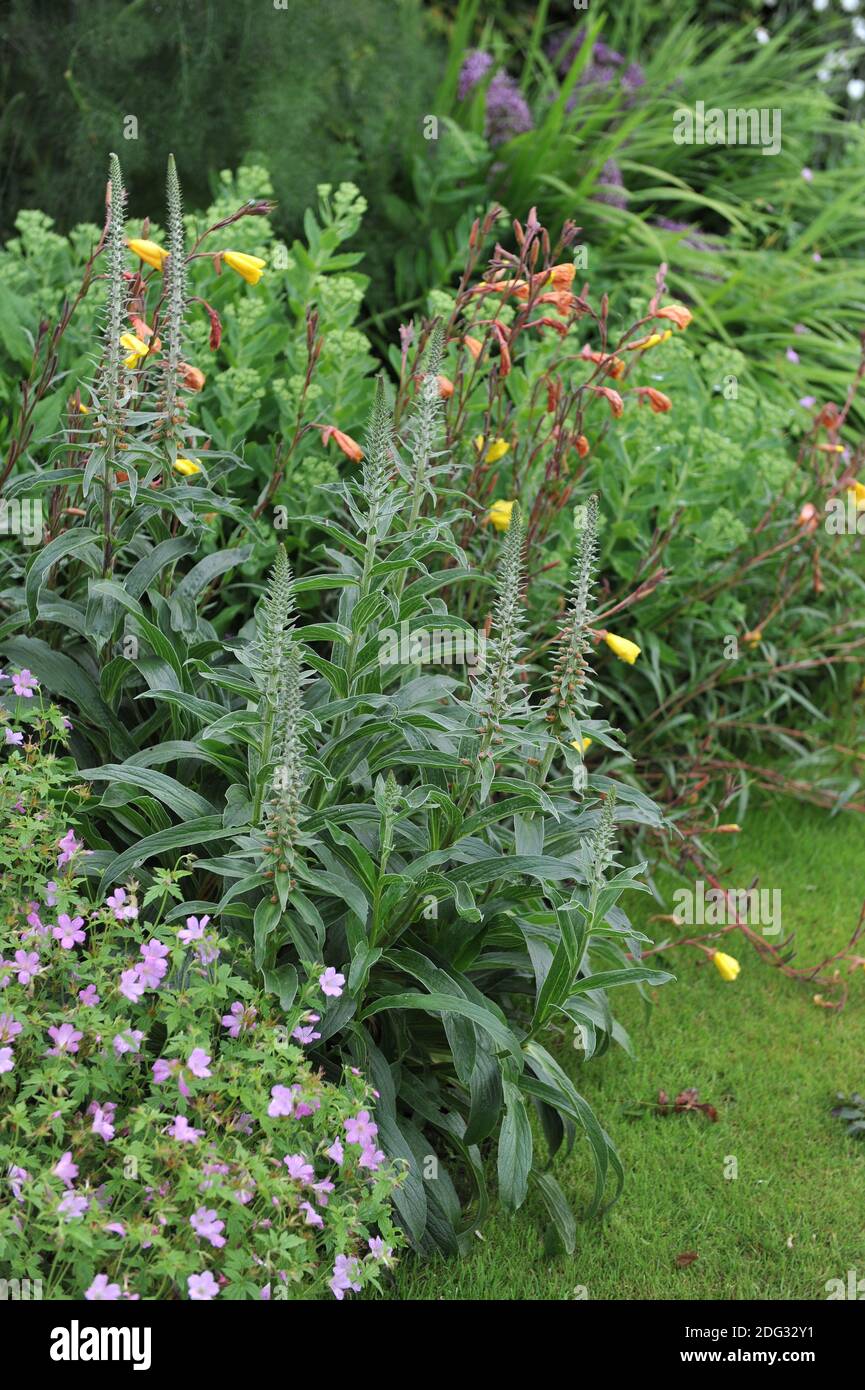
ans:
(564, 301)
(657, 400)
(616, 403)
(518, 287)
(349, 446)
(446, 388)
(614, 365)
(562, 276)
(829, 416)
(582, 445)
(193, 377)
(676, 313)
(474, 346)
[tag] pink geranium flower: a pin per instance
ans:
(101, 1291)
(331, 982)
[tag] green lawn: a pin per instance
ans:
(769, 1059)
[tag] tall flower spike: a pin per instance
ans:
(603, 849)
(284, 809)
(111, 381)
(423, 426)
(378, 459)
(275, 622)
(502, 694)
(568, 694)
(175, 288)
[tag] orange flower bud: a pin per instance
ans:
(349, 446)
(676, 313)
(193, 377)
(474, 346)
(616, 403)
(582, 445)
(657, 400)
(562, 276)
(446, 388)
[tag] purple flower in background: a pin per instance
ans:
(359, 1128)
(371, 1158)
(181, 1130)
(198, 1063)
(305, 1035)
(68, 846)
(202, 1287)
(345, 1272)
(331, 982)
(311, 1215)
(88, 996)
(65, 1169)
(130, 1041)
(193, 931)
(28, 966)
(25, 683)
(507, 112)
(239, 1019)
(281, 1101)
(808, 402)
(299, 1168)
(336, 1151)
(68, 931)
(610, 186)
(65, 1039)
(476, 65)
(7, 1059)
(792, 355)
(379, 1250)
(9, 1027)
(206, 1226)
(322, 1190)
(12, 737)
(16, 1177)
(101, 1291)
(123, 911)
(132, 986)
(72, 1206)
(162, 1069)
(51, 893)
(103, 1118)
(807, 174)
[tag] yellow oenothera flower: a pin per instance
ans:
(188, 467)
(149, 252)
(249, 267)
(497, 449)
(581, 745)
(727, 966)
(858, 491)
(500, 514)
(135, 347)
(622, 647)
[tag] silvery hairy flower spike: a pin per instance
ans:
(567, 700)
(176, 294)
(501, 693)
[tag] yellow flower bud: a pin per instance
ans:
(500, 514)
(135, 347)
(149, 252)
(188, 467)
(249, 267)
(727, 966)
(622, 647)
(497, 449)
(858, 491)
(581, 745)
